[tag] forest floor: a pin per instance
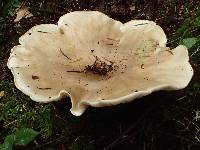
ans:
(163, 120)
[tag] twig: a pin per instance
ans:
(170, 52)
(12, 122)
(61, 118)
(181, 98)
(23, 3)
(64, 54)
(176, 136)
(75, 71)
(42, 145)
(198, 49)
(124, 134)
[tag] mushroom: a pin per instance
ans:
(97, 61)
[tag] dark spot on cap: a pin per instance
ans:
(61, 31)
(140, 24)
(29, 33)
(44, 88)
(35, 77)
(42, 31)
(109, 44)
(142, 66)
(92, 50)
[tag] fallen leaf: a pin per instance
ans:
(22, 13)
(2, 93)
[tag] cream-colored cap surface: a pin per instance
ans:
(97, 61)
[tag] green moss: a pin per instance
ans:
(18, 111)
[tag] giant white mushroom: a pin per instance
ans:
(97, 61)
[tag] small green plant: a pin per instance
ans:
(7, 7)
(187, 33)
(18, 111)
(190, 42)
(20, 137)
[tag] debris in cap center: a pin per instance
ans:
(100, 67)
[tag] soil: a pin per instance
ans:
(159, 121)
